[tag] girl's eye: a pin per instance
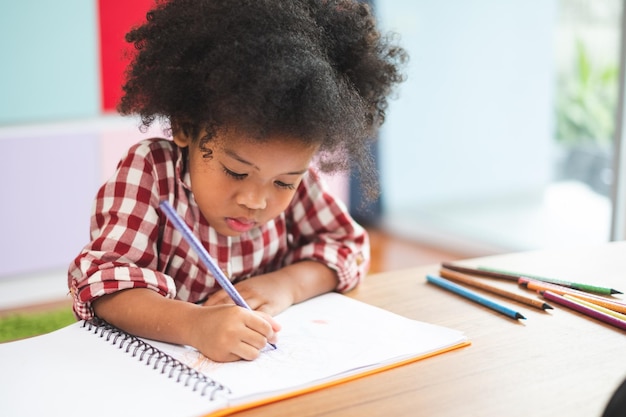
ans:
(281, 184)
(234, 174)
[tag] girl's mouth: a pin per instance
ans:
(240, 224)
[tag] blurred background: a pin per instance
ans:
(505, 136)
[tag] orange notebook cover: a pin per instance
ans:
(88, 370)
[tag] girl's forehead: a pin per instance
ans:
(280, 151)
(234, 140)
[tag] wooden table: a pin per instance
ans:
(557, 363)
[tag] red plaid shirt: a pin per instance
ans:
(134, 246)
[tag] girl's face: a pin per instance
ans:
(245, 183)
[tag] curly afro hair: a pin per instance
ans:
(317, 70)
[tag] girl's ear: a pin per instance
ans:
(181, 140)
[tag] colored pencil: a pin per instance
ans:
(614, 305)
(590, 312)
(479, 272)
(473, 282)
(574, 285)
(595, 306)
(473, 296)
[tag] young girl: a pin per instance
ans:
(256, 93)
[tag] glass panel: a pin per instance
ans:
(501, 138)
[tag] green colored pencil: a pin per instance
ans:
(575, 285)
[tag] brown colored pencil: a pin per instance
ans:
(473, 282)
(479, 272)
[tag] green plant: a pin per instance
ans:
(585, 102)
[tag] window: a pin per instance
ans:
(493, 144)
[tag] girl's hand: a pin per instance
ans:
(223, 333)
(263, 293)
(227, 333)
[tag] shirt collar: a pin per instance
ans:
(182, 173)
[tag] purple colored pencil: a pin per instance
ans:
(606, 318)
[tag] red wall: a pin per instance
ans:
(116, 18)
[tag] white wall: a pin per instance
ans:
(50, 176)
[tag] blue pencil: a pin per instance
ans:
(204, 256)
(471, 295)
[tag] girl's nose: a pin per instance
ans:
(252, 198)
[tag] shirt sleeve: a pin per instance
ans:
(321, 229)
(125, 227)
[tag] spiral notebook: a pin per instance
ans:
(98, 370)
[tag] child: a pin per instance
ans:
(255, 93)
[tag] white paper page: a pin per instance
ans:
(72, 372)
(325, 336)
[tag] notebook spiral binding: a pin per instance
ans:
(159, 360)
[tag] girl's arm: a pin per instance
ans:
(274, 292)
